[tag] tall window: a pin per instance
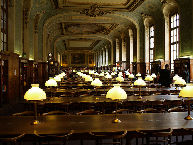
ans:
(174, 38)
(151, 44)
(4, 22)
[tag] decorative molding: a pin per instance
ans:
(134, 5)
(94, 11)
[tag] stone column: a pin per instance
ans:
(117, 50)
(147, 60)
(11, 26)
(107, 55)
(131, 49)
(167, 41)
(104, 57)
(124, 53)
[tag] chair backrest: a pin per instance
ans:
(88, 112)
(25, 113)
(109, 135)
(55, 112)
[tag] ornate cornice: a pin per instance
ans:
(94, 10)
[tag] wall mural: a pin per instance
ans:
(77, 58)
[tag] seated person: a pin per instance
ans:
(165, 77)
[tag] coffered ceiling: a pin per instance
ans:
(83, 24)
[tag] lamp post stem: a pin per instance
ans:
(35, 122)
(116, 120)
(188, 117)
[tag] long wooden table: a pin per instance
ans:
(59, 124)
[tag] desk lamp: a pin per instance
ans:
(153, 75)
(120, 79)
(51, 83)
(187, 92)
(139, 82)
(116, 93)
(179, 82)
(148, 78)
(96, 83)
(131, 76)
(35, 94)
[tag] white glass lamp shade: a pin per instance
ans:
(149, 78)
(51, 83)
(78, 73)
(35, 93)
(101, 75)
(96, 74)
(120, 74)
(96, 82)
(106, 73)
(120, 79)
(88, 78)
(91, 72)
(127, 73)
(139, 82)
(57, 78)
(153, 75)
(175, 77)
(112, 73)
(84, 75)
(116, 93)
(63, 74)
(186, 92)
(131, 76)
(138, 75)
(180, 81)
(108, 76)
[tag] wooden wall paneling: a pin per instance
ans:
(42, 73)
(191, 70)
(141, 68)
(13, 78)
(23, 73)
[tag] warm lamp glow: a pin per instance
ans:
(149, 78)
(153, 75)
(138, 75)
(57, 78)
(131, 76)
(96, 82)
(51, 83)
(175, 77)
(88, 78)
(139, 82)
(101, 75)
(180, 81)
(120, 79)
(116, 93)
(187, 93)
(35, 93)
(108, 76)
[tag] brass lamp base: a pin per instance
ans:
(188, 117)
(139, 97)
(35, 122)
(116, 120)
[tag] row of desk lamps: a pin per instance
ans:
(116, 93)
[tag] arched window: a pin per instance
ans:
(174, 38)
(151, 44)
(4, 24)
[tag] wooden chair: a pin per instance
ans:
(53, 139)
(25, 113)
(153, 136)
(11, 139)
(88, 112)
(55, 112)
(116, 137)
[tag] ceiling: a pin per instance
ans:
(83, 24)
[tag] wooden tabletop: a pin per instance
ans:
(97, 99)
(99, 123)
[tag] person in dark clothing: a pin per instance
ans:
(165, 76)
(186, 74)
